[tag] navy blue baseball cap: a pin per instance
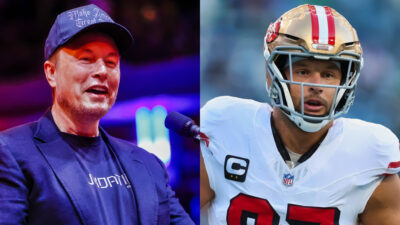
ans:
(88, 18)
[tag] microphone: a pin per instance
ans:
(182, 125)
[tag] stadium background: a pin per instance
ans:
(159, 73)
(232, 63)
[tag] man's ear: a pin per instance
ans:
(50, 71)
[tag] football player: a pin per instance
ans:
(296, 162)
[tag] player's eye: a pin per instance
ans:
(329, 75)
(302, 72)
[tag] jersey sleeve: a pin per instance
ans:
(212, 122)
(213, 119)
(377, 147)
(224, 125)
(387, 151)
(223, 122)
(381, 156)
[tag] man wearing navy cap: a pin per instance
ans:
(64, 168)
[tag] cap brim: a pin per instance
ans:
(121, 36)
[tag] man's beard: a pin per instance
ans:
(80, 111)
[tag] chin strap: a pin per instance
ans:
(299, 121)
(305, 125)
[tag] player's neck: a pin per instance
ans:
(293, 137)
(76, 125)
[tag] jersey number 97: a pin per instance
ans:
(247, 209)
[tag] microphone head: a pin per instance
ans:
(179, 123)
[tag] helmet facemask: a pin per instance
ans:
(279, 89)
(311, 32)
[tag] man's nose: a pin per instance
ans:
(100, 70)
(315, 79)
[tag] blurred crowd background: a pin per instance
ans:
(232, 62)
(159, 74)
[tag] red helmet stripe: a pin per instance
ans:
(314, 24)
(331, 26)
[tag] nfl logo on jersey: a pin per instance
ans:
(288, 179)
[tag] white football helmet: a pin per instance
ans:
(318, 32)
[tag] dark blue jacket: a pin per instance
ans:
(41, 183)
